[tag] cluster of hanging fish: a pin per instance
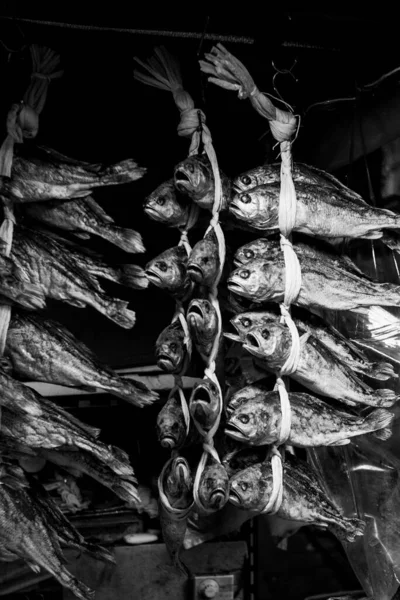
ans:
(330, 366)
(53, 194)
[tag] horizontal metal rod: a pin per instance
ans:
(214, 37)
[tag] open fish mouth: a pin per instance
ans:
(165, 362)
(183, 181)
(195, 309)
(218, 497)
(234, 497)
(253, 346)
(153, 277)
(202, 394)
(168, 441)
(235, 209)
(195, 272)
(235, 432)
(238, 262)
(235, 287)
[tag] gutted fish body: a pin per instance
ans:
(318, 369)
(257, 421)
(84, 217)
(43, 350)
(167, 206)
(194, 177)
(45, 263)
(48, 177)
(320, 212)
(303, 497)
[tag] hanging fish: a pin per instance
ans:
(171, 426)
(214, 486)
(205, 403)
(318, 369)
(84, 217)
(166, 205)
(303, 497)
(171, 348)
(301, 173)
(168, 271)
(341, 347)
(320, 212)
(43, 350)
(194, 177)
(257, 420)
(202, 320)
(177, 485)
(204, 260)
(326, 283)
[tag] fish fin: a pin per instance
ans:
(31, 297)
(77, 303)
(380, 422)
(342, 442)
(98, 552)
(128, 240)
(386, 397)
(133, 276)
(98, 210)
(133, 391)
(82, 235)
(381, 371)
(118, 312)
(80, 193)
(373, 235)
(124, 171)
(35, 568)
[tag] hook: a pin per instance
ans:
(282, 72)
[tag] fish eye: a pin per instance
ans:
(162, 266)
(173, 347)
(245, 198)
(265, 333)
(246, 322)
(249, 253)
(245, 274)
(245, 179)
(161, 200)
(244, 419)
(244, 486)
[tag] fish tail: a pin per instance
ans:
(117, 311)
(133, 276)
(128, 240)
(97, 552)
(80, 589)
(132, 391)
(379, 422)
(385, 398)
(381, 371)
(348, 529)
(29, 296)
(110, 456)
(124, 171)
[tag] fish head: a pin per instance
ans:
(202, 320)
(258, 207)
(241, 397)
(271, 342)
(257, 281)
(205, 402)
(163, 205)
(261, 248)
(246, 488)
(168, 269)
(214, 487)
(179, 482)
(243, 323)
(204, 263)
(264, 174)
(193, 176)
(171, 427)
(252, 422)
(170, 349)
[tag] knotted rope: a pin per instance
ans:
(228, 72)
(23, 122)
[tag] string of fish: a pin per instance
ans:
(228, 72)
(23, 122)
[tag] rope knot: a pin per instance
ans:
(192, 119)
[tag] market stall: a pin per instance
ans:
(199, 318)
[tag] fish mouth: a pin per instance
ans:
(150, 210)
(218, 497)
(234, 432)
(195, 273)
(168, 441)
(252, 340)
(235, 287)
(234, 497)
(194, 309)
(238, 263)
(235, 209)
(202, 394)
(153, 277)
(165, 362)
(182, 180)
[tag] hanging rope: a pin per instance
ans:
(228, 72)
(23, 123)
